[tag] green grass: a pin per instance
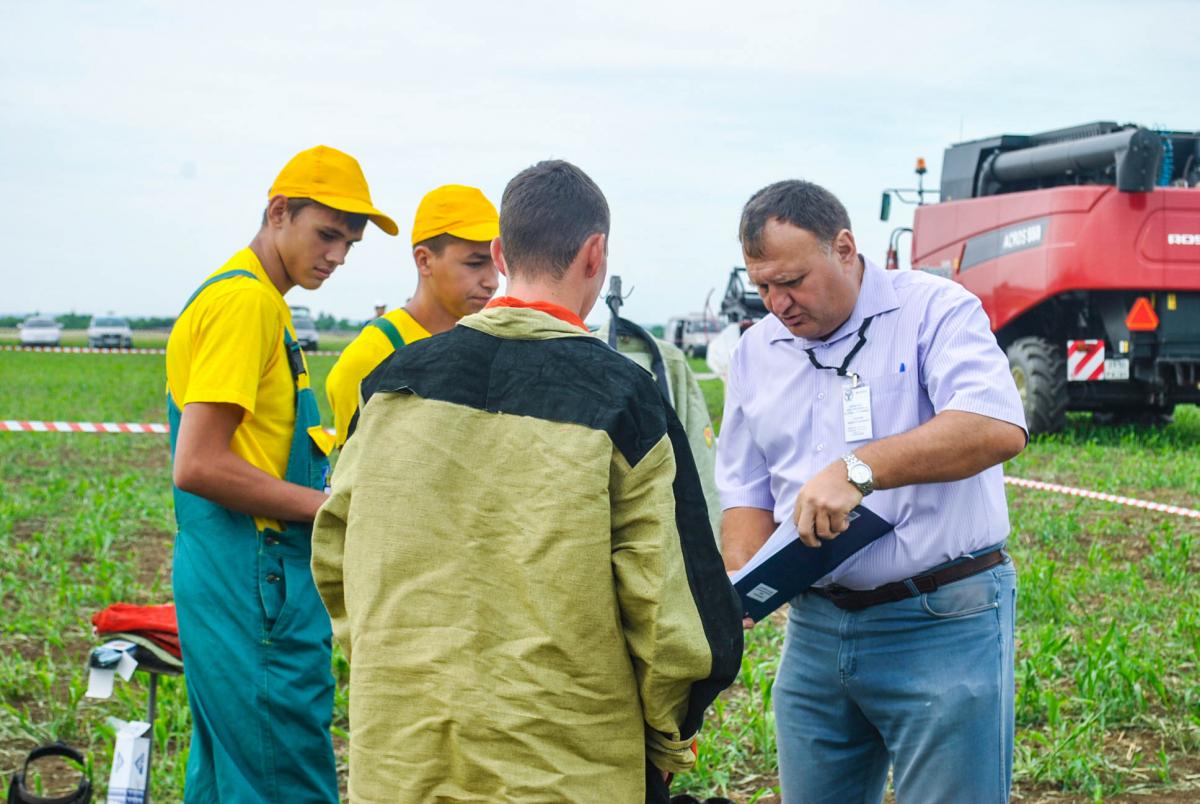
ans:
(1108, 692)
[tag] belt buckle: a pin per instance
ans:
(925, 584)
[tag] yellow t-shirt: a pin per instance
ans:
(360, 358)
(227, 346)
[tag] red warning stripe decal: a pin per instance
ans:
(1085, 360)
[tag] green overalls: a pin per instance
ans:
(255, 636)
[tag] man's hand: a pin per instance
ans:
(824, 504)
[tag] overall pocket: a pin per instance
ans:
(272, 590)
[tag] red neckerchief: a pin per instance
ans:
(556, 310)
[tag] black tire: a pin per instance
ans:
(1040, 372)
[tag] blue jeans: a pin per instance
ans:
(924, 685)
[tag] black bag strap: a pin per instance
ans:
(18, 793)
(624, 326)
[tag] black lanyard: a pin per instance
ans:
(841, 370)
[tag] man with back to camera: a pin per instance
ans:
(885, 388)
(516, 556)
(249, 471)
(452, 238)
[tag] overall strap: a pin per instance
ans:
(214, 279)
(389, 329)
(295, 356)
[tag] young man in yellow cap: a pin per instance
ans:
(250, 467)
(452, 237)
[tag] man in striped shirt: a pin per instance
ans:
(888, 384)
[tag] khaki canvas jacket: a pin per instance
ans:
(517, 561)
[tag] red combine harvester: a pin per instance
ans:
(1084, 246)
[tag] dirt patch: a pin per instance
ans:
(153, 551)
(25, 529)
(341, 750)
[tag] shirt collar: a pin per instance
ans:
(876, 295)
(556, 310)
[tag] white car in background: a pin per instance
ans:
(107, 331)
(40, 331)
(306, 331)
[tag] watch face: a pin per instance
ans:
(860, 474)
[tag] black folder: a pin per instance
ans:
(793, 566)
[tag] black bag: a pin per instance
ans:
(19, 794)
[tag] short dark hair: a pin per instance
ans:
(437, 244)
(353, 220)
(547, 212)
(802, 204)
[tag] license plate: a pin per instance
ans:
(1116, 369)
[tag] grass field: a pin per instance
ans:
(1108, 701)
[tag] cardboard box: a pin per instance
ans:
(131, 760)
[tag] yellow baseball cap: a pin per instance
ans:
(457, 210)
(330, 177)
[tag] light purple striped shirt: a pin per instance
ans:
(929, 348)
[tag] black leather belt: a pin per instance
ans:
(856, 600)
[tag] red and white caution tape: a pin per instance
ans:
(80, 427)
(1147, 505)
(88, 350)
(82, 350)
(21, 426)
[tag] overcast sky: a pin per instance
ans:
(139, 140)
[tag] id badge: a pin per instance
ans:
(856, 412)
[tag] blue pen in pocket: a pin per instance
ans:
(901, 368)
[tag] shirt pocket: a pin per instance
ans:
(894, 403)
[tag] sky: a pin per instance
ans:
(138, 140)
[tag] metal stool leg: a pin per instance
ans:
(150, 718)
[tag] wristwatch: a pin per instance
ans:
(859, 474)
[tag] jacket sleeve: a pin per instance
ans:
(692, 410)
(680, 615)
(329, 546)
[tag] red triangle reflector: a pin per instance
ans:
(1142, 317)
